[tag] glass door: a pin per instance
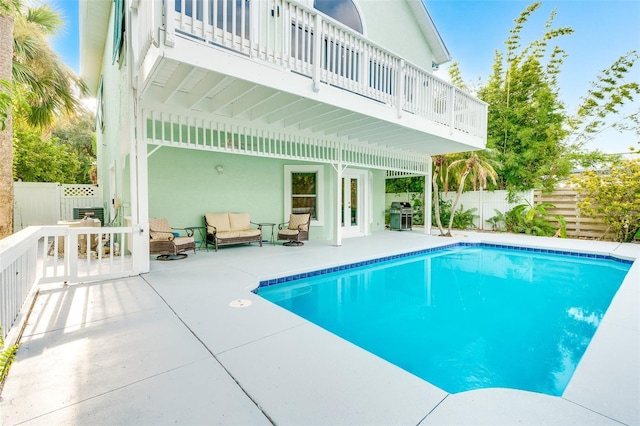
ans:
(352, 202)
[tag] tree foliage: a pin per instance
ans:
(65, 154)
(536, 141)
(614, 194)
(76, 133)
(608, 93)
(476, 166)
(45, 82)
(45, 86)
(526, 117)
(42, 159)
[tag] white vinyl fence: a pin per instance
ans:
(485, 202)
(37, 203)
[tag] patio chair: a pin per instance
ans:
(164, 243)
(295, 230)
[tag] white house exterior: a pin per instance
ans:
(222, 105)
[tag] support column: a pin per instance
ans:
(139, 192)
(428, 197)
(337, 206)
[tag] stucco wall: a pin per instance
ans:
(113, 141)
(184, 184)
(391, 24)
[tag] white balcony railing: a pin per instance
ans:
(46, 254)
(301, 40)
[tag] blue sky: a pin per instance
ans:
(474, 29)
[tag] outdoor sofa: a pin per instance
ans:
(231, 228)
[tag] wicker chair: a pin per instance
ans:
(165, 244)
(296, 230)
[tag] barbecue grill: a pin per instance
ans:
(401, 216)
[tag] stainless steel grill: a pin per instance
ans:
(401, 216)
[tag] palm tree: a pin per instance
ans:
(39, 78)
(438, 164)
(479, 167)
(6, 129)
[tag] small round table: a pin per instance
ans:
(203, 235)
(272, 225)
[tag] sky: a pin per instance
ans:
(473, 30)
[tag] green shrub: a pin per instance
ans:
(6, 358)
(463, 219)
(527, 219)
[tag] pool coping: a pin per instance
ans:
(347, 266)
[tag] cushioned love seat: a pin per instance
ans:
(231, 228)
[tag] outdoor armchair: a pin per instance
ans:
(295, 230)
(164, 243)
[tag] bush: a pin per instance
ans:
(614, 194)
(526, 219)
(463, 219)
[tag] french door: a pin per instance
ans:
(353, 203)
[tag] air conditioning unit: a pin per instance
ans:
(98, 213)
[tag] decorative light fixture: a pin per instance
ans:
(220, 169)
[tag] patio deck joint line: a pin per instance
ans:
(288, 278)
(593, 411)
(432, 410)
(193, 333)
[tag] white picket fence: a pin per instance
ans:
(37, 203)
(485, 202)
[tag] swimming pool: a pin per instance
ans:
(466, 316)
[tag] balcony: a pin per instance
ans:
(281, 67)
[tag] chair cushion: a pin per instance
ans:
(238, 234)
(219, 220)
(239, 221)
(160, 224)
(288, 232)
(296, 220)
(183, 241)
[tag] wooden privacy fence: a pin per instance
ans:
(577, 226)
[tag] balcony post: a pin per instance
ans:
(451, 102)
(317, 53)
(400, 87)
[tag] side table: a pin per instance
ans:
(202, 231)
(272, 225)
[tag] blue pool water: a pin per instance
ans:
(465, 317)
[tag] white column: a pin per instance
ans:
(428, 197)
(337, 208)
(139, 192)
(139, 185)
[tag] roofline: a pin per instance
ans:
(93, 17)
(440, 52)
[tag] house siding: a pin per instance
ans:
(113, 141)
(390, 24)
(247, 184)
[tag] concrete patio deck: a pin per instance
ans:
(166, 347)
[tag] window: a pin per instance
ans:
(100, 107)
(344, 11)
(118, 29)
(303, 191)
